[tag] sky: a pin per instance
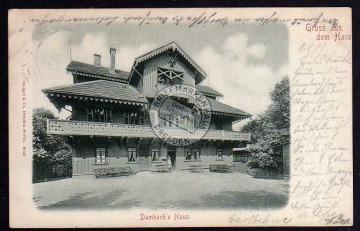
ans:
(243, 62)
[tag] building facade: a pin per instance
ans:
(110, 123)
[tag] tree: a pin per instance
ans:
(279, 111)
(272, 128)
(48, 150)
(39, 125)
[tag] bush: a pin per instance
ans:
(113, 172)
(267, 163)
(253, 164)
(265, 174)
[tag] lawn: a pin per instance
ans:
(174, 190)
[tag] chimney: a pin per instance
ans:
(97, 60)
(112, 62)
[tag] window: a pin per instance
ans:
(187, 122)
(135, 118)
(169, 121)
(127, 118)
(240, 156)
(100, 156)
(196, 152)
(219, 153)
(170, 77)
(132, 154)
(90, 115)
(154, 154)
(188, 153)
(99, 115)
(142, 118)
(218, 125)
(192, 154)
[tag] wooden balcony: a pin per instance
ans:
(70, 127)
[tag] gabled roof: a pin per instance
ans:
(220, 108)
(174, 47)
(100, 89)
(97, 71)
(208, 90)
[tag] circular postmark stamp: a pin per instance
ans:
(180, 115)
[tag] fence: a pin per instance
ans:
(46, 172)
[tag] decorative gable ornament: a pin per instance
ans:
(172, 61)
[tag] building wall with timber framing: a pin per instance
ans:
(117, 154)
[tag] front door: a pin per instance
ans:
(172, 154)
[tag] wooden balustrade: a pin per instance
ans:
(68, 127)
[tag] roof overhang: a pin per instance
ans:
(98, 76)
(95, 91)
(92, 99)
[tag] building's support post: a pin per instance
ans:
(71, 141)
(119, 142)
(47, 127)
(138, 143)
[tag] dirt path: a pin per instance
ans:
(175, 190)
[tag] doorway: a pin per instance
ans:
(171, 152)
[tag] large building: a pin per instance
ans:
(110, 124)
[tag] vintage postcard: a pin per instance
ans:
(180, 117)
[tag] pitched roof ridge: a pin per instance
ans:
(188, 57)
(179, 48)
(155, 50)
(73, 84)
(93, 65)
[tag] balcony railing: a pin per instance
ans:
(69, 127)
